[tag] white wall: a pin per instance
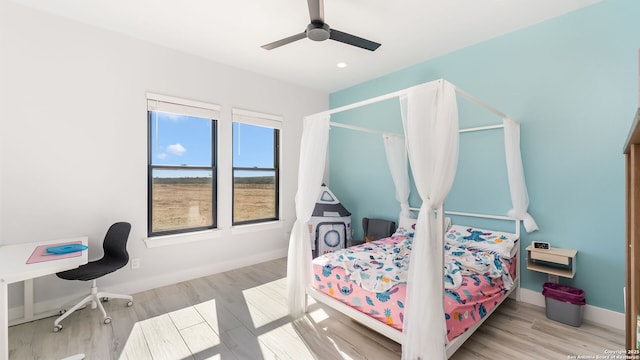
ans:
(73, 145)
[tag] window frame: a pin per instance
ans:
(161, 103)
(267, 121)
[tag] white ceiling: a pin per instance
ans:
(232, 31)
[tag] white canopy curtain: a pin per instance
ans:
(313, 153)
(515, 172)
(396, 151)
(430, 119)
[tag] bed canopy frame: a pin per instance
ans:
(430, 122)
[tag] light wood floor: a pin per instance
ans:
(241, 314)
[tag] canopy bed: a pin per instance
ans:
(430, 146)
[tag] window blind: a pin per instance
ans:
(169, 104)
(256, 118)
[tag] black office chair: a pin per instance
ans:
(115, 256)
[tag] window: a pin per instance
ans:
(256, 148)
(181, 165)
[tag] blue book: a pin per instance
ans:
(65, 249)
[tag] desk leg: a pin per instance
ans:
(4, 321)
(28, 300)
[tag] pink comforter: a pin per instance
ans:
(464, 306)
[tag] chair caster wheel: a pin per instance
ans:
(107, 320)
(57, 328)
(130, 304)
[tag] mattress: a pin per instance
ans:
(474, 296)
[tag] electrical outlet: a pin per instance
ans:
(553, 278)
(135, 263)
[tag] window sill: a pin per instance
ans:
(168, 240)
(177, 239)
(249, 228)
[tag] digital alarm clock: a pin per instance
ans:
(540, 245)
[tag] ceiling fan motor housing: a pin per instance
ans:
(318, 31)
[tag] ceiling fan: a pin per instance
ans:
(318, 30)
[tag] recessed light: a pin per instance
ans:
(341, 65)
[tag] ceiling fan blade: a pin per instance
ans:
(316, 10)
(284, 41)
(353, 40)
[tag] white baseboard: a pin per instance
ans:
(189, 274)
(156, 281)
(591, 313)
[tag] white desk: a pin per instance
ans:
(14, 268)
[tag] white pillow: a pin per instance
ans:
(407, 223)
(495, 242)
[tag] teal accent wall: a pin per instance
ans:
(572, 83)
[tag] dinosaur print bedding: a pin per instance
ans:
(371, 278)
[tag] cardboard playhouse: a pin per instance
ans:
(330, 224)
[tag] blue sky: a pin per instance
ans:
(186, 140)
(179, 139)
(252, 146)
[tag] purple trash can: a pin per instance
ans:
(564, 303)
